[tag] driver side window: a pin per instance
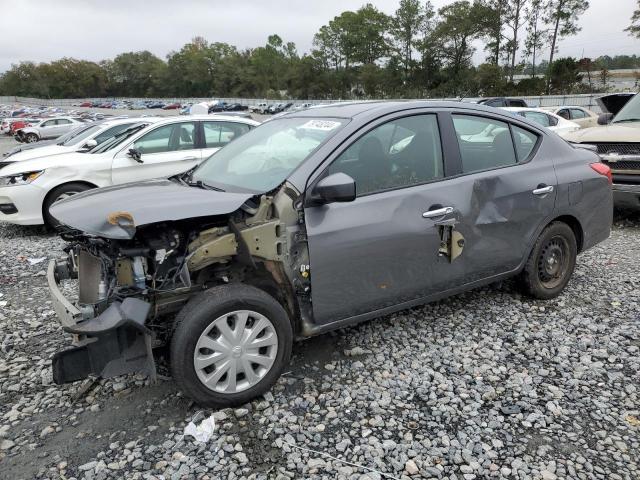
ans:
(169, 138)
(397, 154)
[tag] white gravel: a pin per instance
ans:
(488, 384)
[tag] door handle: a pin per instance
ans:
(190, 158)
(543, 190)
(439, 212)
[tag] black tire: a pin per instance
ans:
(55, 194)
(31, 138)
(551, 262)
(198, 314)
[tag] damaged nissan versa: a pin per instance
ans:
(311, 222)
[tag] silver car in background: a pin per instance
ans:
(48, 128)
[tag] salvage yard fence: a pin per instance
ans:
(584, 100)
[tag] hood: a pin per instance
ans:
(28, 146)
(115, 212)
(613, 103)
(627, 132)
(42, 162)
(44, 151)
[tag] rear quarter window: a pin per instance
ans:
(525, 141)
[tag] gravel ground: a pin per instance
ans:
(486, 384)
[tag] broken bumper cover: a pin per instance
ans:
(112, 343)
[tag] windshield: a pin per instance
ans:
(119, 138)
(77, 135)
(262, 159)
(630, 112)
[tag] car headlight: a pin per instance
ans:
(19, 178)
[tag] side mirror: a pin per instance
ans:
(135, 154)
(338, 187)
(89, 145)
(605, 118)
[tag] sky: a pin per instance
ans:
(45, 30)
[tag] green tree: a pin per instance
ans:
(563, 17)
(136, 74)
(455, 32)
(514, 22)
(406, 26)
(634, 28)
(564, 75)
(537, 35)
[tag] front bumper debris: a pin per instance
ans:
(115, 342)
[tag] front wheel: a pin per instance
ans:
(31, 138)
(551, 262)
(230, 344)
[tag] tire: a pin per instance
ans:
(31, 138)
(551, 262)
(250, 314)
(58, 193)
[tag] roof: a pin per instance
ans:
(353, 109)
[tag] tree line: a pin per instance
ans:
(417, 52)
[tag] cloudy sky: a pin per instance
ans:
(44, 30)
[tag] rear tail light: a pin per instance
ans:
(603, 169)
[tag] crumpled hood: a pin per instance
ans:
(144, 203)
(627, 132)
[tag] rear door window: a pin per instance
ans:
(577, 113)
(485, 143)
(169, 138)
(541, 118)
(525, 141)
(218, 134)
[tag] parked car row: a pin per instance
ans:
(108, 153)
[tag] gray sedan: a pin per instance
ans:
(313, 221)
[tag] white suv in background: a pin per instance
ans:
(82, 138)
(140, 152)
(47, 128)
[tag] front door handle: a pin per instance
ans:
(438, 212)
(543, 189)
(190, 158)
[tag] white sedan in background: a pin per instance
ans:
(553, 122)
(83, 138)
(584, 117)
(148, 149)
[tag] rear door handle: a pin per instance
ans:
(190, 158)
(543, 190)
(439, 212)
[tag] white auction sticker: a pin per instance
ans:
(325, 125)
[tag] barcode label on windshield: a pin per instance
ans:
(325, 125)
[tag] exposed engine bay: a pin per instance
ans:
(131, 289)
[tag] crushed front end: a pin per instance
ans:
(120, 286)
(117, 286)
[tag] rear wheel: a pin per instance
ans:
(551, 262)
(60, 193)
(230, 345)
(31, 138)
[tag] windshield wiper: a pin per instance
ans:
(198, 184)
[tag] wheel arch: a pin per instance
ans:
(50, 192)
(575, 226)
(271, 278)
